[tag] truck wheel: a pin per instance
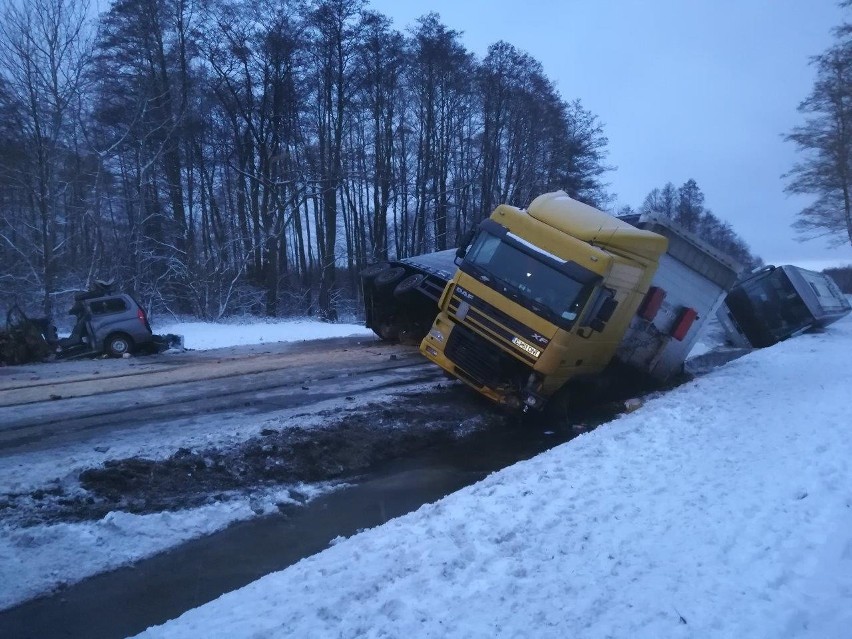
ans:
(556, 411)
(408, 284)
(118, 344)
(371, 271)
(388, 332)
(389, 277)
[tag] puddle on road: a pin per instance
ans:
(126, 601)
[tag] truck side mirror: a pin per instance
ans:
(607, 309)
(604, 314)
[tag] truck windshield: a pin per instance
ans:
(527, 278)
(768, 309)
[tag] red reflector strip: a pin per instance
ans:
(652, 303)
(684, 322)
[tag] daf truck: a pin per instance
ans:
(547, 298)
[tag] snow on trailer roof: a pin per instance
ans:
(441, 263)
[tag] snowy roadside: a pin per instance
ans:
(208, 335)
(721, 509)
(39, 559)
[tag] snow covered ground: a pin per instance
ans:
(38, 559)
(721, 509)
(206, 335)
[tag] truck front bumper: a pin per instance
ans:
(481, 365)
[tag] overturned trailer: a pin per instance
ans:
(401, 296)
(779, 302)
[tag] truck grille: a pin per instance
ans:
(481, 317)
(481, 362)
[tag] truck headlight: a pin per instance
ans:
(534, 401)
(431, 351)
(437, 335)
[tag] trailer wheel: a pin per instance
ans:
(371, 271)
(408, 284)
(389, 277)
(117, 344)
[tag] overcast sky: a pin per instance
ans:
(699, 89)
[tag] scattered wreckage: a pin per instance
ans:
(107, 323)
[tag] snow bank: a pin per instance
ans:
(722, 509)
(42, 558)
(207, 335)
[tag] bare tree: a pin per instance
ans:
(440, 72)
(44, 52)
(334, 29)
(381, 62)
(825, 141)
(532, 140)
(255, 56)
(661, 201)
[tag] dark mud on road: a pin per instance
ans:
(344, 447)
(352, 441)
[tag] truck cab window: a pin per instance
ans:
(483, 248)
(529, 277)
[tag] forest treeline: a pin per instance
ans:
(222, 156)
(251, 156)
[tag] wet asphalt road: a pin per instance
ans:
(46, 406)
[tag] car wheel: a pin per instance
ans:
(118, 344)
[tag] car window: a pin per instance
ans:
(107, 306)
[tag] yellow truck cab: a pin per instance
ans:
(550, 294)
